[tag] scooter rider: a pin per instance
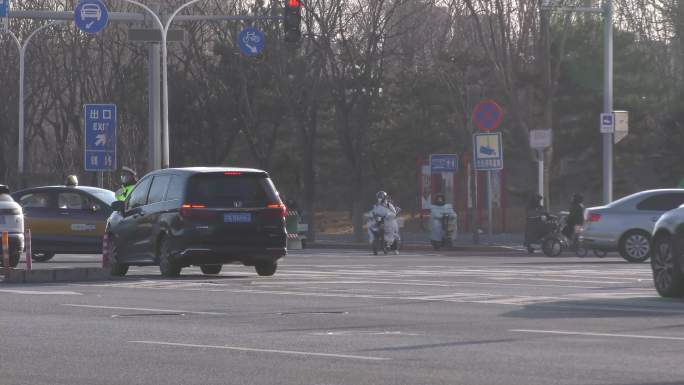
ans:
(438, 211)
(128, 180)
(384, 208)
(536, 218)
(575, 217)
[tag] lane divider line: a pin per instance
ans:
(245, 349)
(143, 309)
(590, 334)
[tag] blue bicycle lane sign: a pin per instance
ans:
(251, 41)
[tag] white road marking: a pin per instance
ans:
(589, 334)
(143, 309)
(244, 349)
(36, 292)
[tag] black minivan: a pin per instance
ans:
(205, 217)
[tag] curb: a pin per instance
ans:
(77, 274)
(415, 247)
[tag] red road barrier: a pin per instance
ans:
(5, 251)
(29, 254)
(105, 251)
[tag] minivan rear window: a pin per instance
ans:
(234, 191)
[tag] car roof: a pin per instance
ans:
(207, 170)
(645, 194)
(88, 189)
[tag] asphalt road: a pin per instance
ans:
(344, 317)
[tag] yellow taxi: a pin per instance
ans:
(65, 219)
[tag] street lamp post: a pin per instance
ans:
(607, 99)
(607, 11)
(165, 79)
(22, 60)
(164, 28)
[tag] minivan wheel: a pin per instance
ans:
(266, 269)
(116, 269)
(42, 257)
(211, 269)
(167, 265)
(635, 246)
(667, 275)
(13, 259)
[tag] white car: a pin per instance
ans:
(91, 11)
(626, 224)
(11, 222)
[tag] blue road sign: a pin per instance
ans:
(488, 151)
(251, 41)
(91, 16)
(100, 137)
(4, 8)
(607, 123)
(443, 163)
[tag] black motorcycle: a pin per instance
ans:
(378, 230)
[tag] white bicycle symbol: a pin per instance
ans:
(251, 38)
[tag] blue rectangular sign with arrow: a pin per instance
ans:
(100, 137)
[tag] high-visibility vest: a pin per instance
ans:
(123, 192)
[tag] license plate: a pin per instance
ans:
(237, 218)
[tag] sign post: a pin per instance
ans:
(100, 137)
(488, 155)
(487, 148)
(540, 140)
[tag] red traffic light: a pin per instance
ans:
(294, 3)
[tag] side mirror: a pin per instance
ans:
(119, 206)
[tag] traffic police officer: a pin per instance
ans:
(128, 180)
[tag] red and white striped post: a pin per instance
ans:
(5, 252)
(29, 253)
(105, 251)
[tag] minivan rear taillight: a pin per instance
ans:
(593, 217)
(278, 209)
(196, 212)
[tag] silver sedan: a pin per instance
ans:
(626, 224)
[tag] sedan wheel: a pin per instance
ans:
(635, 246)
(42, 257)
(211, 269)
(667, 276)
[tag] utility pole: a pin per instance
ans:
(607, 99)
(607, 11)
(154, 92)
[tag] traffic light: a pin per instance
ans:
(293, 20)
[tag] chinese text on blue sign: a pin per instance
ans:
(443, 163)
(100, 137)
